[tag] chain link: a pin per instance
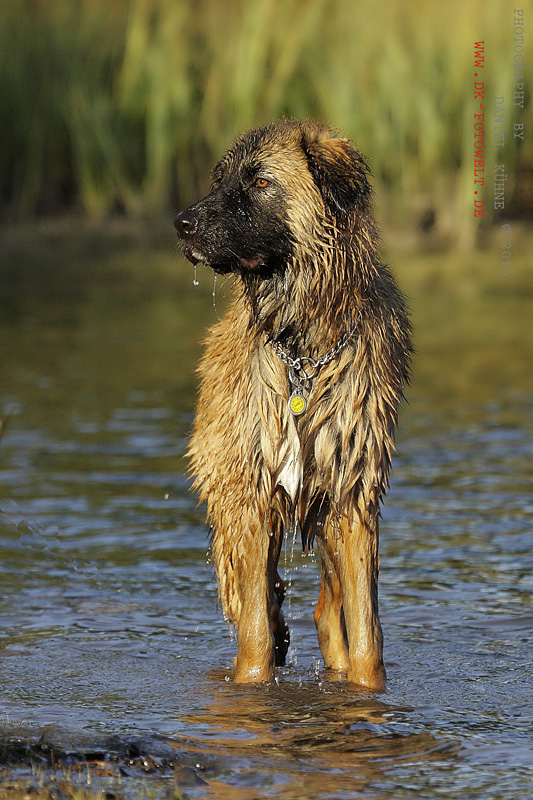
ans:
(298, 375)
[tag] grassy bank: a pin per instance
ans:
(127, 105)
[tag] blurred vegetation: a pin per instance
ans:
(125, 105)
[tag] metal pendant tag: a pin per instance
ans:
(297, 403)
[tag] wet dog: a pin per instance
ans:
(300, 386)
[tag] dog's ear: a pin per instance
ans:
(340, 173)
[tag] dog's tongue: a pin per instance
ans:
(250, 263)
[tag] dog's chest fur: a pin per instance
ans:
(279, 437)
(290, 445)
(248, 449)
(290, 471)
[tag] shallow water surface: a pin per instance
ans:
(110, 636)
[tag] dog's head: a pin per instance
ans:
(276, 193)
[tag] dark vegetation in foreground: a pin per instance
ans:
(116, 769)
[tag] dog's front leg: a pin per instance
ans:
(256, 656)
(329, 617)
(358, 568)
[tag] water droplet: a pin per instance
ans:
(195, 281)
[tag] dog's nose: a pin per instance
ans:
(186, 224)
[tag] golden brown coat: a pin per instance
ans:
(258, 466)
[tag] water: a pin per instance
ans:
(111, 641)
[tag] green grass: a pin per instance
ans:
(126, 105)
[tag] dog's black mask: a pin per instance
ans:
(240, 226)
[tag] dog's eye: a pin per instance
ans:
(261, 183)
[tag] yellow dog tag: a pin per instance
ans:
(297, 403)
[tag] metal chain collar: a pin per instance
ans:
(303, 369)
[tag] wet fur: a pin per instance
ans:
(304, 250)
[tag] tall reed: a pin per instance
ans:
(123, 105)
